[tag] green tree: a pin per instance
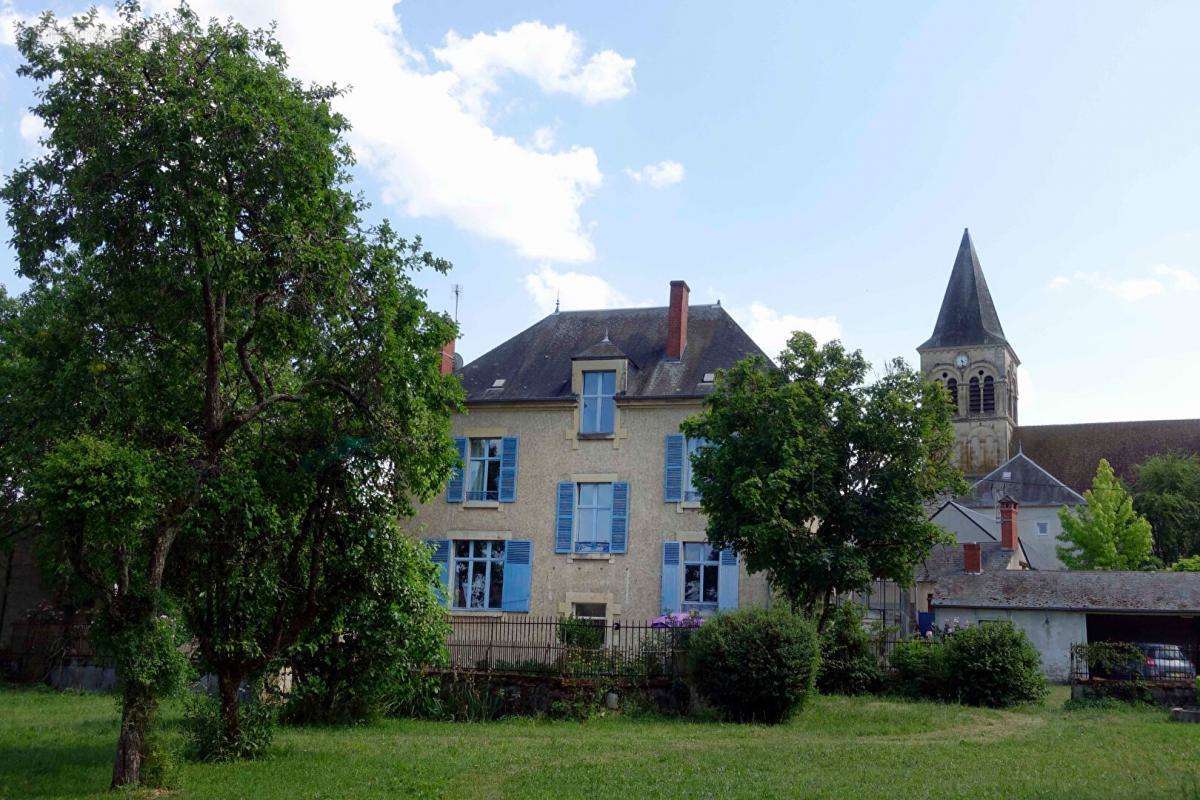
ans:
(1105, 532)
(819, 478)
(1189, 564)
(1167, 493)
(201, 283)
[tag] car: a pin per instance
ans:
(1155, 661)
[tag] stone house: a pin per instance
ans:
(575, 496)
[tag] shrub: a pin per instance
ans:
(587, 634)
(849, 664)
(363, 657)
(206, 736)
(918, 669)
(755, 665)
(994, 665)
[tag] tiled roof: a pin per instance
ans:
(968, 315)
(536, 363)
(1023, 480)
(1164, 592)
(946, 560)
(1072, 452)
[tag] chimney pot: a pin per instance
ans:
(1008, 523)
(677, 317)
(972, 561)
(447, 365)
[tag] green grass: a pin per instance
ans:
(60, 746)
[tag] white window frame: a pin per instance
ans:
(601, 399)
(489, 463)
(701, 605)
(1043, 528)
(473, 564)
(592, 545)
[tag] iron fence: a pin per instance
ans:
(1162, 664)
(568, 647)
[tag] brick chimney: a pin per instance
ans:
(677, 320)
(972, 561)
(447, 365)
(1008, 523)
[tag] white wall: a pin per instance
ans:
(1051, 632)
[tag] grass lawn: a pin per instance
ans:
(61, 746)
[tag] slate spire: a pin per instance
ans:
(968, 316)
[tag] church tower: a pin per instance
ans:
(969, 355)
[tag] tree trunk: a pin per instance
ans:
(228, 683)
(137, 710)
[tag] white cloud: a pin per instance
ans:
(664, 173)
(1183, 279)
(1137, 288)
(544, 138)
(416, 130)
(550, 57)
(573, 290)
(32, 129)
(771, 329)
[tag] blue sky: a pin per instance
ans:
(810, 165)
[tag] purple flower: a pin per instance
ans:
(677, 619)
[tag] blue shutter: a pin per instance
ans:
(454, 489)
(673, 469)
(441, 557)
(508, 469)
(727, 581)
(619, 532)
(518, 574)
(671, 569)
(564, 524)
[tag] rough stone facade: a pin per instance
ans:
(551, 450)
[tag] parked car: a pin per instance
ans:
(1157, 662)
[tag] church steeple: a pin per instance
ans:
(968, 315)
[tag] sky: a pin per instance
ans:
(809, 165)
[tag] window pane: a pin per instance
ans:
(694, 551)
(587, 494)
(462, 548)
(710, 583)
(713, 554)
(691, 583)
(480, 549)
(477, 482)
(608, 383)
(460, 583)
(591, 382)
(478, 447)
(602, 526)
(478, 585)
(603, 494)
(607, 411)
(589, 422)
(492, 484)
(497, 550)
(493, 448)
(496, 590)
(590, 610)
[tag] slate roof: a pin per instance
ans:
(1150, 592)
(1022, 479)
(946, 560)
(1040, 552)
(968, 315)
(536, 363)
(1072, 452)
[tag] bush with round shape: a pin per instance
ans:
(918, 669)
(849, 664)
(994, 665)
(755, 665)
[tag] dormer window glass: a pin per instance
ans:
(599, 404)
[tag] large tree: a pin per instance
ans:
(1105, 532)
(818, 477)
(1167, 493)
(200, 282)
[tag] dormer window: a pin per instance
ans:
(599, 403)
